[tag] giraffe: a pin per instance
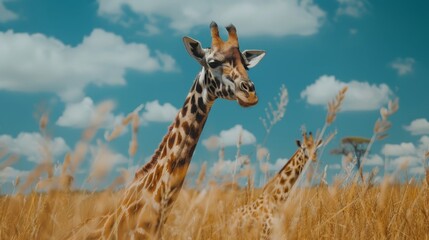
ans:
(147, 201)
(275, 193)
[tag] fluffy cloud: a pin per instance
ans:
(77, 115)
(227, 167)
(374, 160)
(361, 96)
(404, 162)
(352, 8)
(275, 167)
(272, 17)
(424, 143)
(33, 146)
(230, 137)
(403, 66)
(417, 170)
(48, 65)
(212, 143)
(83, 113)
(6, 14)
(402, 149)
(156, 112)
(418, 127)
(10, 174)
(407, 155)
(103, 160)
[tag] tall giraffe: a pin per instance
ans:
(275, 193)
(147, 201)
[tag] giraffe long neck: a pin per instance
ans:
(280, 186)
(165, 173)
(147, 201)
(183, 134)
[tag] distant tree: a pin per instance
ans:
(355, 145)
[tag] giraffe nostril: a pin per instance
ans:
(244, 86)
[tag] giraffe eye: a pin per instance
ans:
(214, 63)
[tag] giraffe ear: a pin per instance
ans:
(298, 143)
(252, 57)
(194, 49)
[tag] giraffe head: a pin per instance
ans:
(308, 146)
(226, 66)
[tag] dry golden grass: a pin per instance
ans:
(357, 212)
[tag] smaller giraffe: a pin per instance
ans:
(275, 193)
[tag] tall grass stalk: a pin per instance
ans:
(380, 128)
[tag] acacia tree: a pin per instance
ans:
(355, 145)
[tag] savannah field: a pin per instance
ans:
(387, 211)
(353, 206)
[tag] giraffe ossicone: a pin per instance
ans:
(147, 201)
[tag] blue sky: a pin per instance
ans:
(66, 57)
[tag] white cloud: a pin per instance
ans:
(48, 65)
(103, 160)
(6, 14)
(417, 170)
(230, 137)
(374, 160)
(32, 146)
(212, 143)
(82, 114)
(156, 112)
(352, 8)
(418, 127)
(404, 162)
(280, 162)
(150, 30)
(10, 174)
(407, 155)
(361, 96)
(271, 17)
(77, 115)
(424, 144)
(262, 153)
(403, 66)
(401, 149)
(227, 167)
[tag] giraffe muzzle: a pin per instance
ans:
(248, 101)
(246, 96)
(253, 102)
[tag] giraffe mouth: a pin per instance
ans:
(252, 100)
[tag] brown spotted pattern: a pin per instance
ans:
(263, 210)
(147, 201)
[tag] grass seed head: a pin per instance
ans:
(335, 105)
(9, 161)
(132, 150)
(43, 122)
